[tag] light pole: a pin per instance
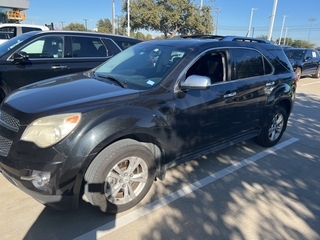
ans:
(113, 28)
(285, 36)
(272, 16)
(218, 12)
(284, 19)
(85, 21)
(62, 25)
(118, 22)
(128, 10)
(252, 9)
(311, 20)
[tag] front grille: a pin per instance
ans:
(5, 145)
(9, 122)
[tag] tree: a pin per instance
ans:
(140, 36)
(75, 27)
(148, 37)
(302, 44)
(104, 25)
(170, 17)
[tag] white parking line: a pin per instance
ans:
(132, 216)
(306, 84)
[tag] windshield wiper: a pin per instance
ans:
(122, 84)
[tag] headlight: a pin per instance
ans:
(47, 131)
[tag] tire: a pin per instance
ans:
(120, 176)
(275, 125)
(298, 72)
(317, 74)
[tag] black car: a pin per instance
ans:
(109, 132)
(39, 55)
(305, 61)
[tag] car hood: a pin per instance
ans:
(69, 90)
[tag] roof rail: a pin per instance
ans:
(217, 37)
(246, 39)
(225, 38)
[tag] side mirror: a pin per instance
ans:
(20, 56)
(196, 82)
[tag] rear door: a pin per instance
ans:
(254, 80)
(88, 52)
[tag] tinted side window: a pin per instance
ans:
(45, 47)
(88, 47)
(125, 43)
(308, 55)
(246, 63)
(29, 29)
(8, 32)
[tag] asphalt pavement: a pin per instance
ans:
(242, 192)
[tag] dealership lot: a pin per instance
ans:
(242, 192)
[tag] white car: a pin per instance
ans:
(10, 30)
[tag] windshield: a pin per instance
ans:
(295, 54)
(142, 66)
(7, 45)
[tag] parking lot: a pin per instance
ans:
(242, 192)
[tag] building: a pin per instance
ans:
(12, 10)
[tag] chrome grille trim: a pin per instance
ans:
(5, 145)
(9, 122)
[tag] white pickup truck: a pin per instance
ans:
(10, 30)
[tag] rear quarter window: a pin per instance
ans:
(280, 61)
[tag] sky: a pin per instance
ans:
(231, 17)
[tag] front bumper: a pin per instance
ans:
(50, 196)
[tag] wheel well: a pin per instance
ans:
(153, 145)
(149, 141)
(286, 104)
(2, 94)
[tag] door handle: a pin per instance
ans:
(229, 95)
(270, 84)
(59, 67)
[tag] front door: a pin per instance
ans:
(46, 60)
(205, 117)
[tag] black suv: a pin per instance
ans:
(305, 61)
(109, 132)
(39, 55)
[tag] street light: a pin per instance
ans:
(113, 10)
(252, 9)
(118, 22)
(285, 36)
(272, 16)
(128, 10)
(61, 25)
(85, 20)
(311, 20)
(284, 19)
(217, 11)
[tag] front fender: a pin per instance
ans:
(107, 128)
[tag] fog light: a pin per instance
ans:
(39, 179)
